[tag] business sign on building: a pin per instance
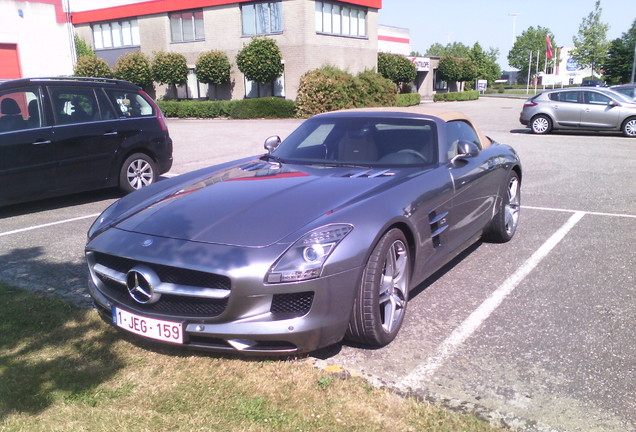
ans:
(423, 64)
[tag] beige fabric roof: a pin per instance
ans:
(432, 111)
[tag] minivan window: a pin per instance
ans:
(130, 104)
(74, 105)
(20, 109)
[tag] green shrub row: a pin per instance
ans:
(456, 96)
(268, 107)
(407, 99)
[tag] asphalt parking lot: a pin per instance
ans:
(538, 331)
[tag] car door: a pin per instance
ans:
(566, 107)
(86, 137)
(598, 111)
(475, 182)
(27, 165)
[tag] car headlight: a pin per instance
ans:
(305, 258)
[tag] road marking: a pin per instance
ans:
(580, 211)
(477, 318)
(48, 225)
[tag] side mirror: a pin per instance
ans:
(465, 149)
(272, 143)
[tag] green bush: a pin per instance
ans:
(329, 88)
(267, 107)
(169, 68)
(456, 96)
(134, 66)
(270, 107)
(260, 60)
(213, 67)
(396, 68)
(407, 99)
(82, 48)
(92, 66)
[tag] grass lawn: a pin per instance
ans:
(64, 369)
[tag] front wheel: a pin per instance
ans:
(380, 304)
(504, 224)
(629, 127)
(137, 171)
(541, 125)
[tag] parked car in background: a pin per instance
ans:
(628, 90)
(580, 108)
(593, 83)
(68, 135)
(320, 239)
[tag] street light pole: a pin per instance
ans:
(634, 64)
(514, 16)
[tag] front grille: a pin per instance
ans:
(286, 306)
(168, 304)
(167, 274)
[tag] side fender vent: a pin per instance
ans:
(439, 224)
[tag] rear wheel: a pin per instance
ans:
(629, 127)
(503, 226)
(541, 124)
(380, 304)
(137, 171)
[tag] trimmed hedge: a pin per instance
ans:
(268, 107)
(456, 96)
(407, 99)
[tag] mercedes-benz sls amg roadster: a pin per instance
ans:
(317, 240)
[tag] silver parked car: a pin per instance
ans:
(584, 108)
(317, 240)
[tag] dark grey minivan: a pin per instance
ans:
(68, 135)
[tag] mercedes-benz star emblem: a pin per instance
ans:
(140, 283)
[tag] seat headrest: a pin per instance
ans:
(9, 107)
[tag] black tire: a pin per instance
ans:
(380, 304)
(629, 127)
(541, 124)
(137, 171)
(504, 224)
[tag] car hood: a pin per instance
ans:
(256, 204)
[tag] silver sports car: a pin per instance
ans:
(317, 240)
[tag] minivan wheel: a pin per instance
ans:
(137, 171)
(541, 124)
(629, 127)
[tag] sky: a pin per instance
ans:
(489, 23)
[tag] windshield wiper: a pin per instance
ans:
(269, 156)
(342, 164)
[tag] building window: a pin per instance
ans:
(276, 88)
(438, 83)
(262, 18)
(337, 19)
(115, 34)
(186, 26)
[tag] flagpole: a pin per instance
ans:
(529, 70)
(536, 75)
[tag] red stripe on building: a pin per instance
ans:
(163, 6)
(393, 39)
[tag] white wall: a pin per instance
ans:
(44, 45)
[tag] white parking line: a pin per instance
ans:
(577, 211)
(6, 233)
(477, 318)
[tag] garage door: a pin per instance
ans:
(9, 61)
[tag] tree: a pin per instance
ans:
(456, 49)
(260, 60)
(485, 62)
(618, 64)
(92, 66)
(455, 69)
(396, 68)
(170, 68)
(213, 67)
(590, 46)
(532, 40)
(134, 66)
(82, 48)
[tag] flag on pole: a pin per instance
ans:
(548, 47)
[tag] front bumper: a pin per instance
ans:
(252, 317)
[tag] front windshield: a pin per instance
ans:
(364, 141)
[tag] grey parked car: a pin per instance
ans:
(318, 239)
(628, 90)
(584, 108)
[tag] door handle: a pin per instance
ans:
(111, 133)
(41, 142)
